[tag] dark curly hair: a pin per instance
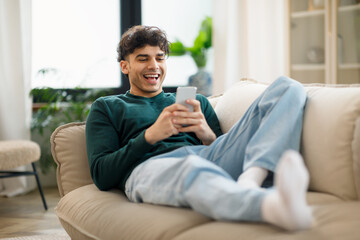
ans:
(139, 36)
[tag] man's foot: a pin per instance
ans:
(286, 207)
(252, 177)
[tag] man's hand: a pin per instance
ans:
(194, 122)
(177, 118)
(164, 126)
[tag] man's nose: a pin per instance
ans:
(153, 64)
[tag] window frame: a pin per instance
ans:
(130, 15)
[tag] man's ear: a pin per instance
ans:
(124, 67)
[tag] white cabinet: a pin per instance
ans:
(324, 40)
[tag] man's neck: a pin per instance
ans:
(145, 94)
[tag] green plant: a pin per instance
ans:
(58, 107)
(201, 44)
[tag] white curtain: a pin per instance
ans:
(249, 41)
(15, 83)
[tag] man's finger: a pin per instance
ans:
(176, 107)
(195, 103)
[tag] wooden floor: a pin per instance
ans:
(25, 215)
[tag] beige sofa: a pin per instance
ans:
(330, 146)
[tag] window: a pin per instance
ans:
(74, 43)
(180, 20)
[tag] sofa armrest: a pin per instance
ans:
(68, 148)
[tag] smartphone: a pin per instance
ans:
(185, 93)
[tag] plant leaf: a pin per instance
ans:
(177, 48)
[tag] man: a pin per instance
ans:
(158, 152)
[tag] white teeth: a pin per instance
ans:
(151, 76)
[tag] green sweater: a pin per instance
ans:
(115, 135)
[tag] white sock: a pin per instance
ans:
(286, 207)
(252, 177)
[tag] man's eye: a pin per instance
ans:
(161, 59)
(142, 59)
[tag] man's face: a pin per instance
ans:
(146, 68)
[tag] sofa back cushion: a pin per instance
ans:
(68, 148)
(329, 140)
(331, 132)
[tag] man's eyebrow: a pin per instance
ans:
(147, 55)
(142, 55)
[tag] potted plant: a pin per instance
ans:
(57, 107)
(198, 52)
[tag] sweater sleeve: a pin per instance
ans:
(210, 115)
(110, 161)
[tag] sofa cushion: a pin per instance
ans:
(88, 213)
(214, 100)
(235, 101)
(356, 151)
(69, 152)
(330, 132)
(333, 221)
(331, 117)
(98, 214)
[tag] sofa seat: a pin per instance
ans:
(107, 214)
(92, 213)
(330, 145)
(334, 221)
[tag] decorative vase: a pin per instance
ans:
(202, 80)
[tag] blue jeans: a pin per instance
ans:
(204, 177)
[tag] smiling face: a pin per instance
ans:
(146, 69)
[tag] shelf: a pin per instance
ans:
(320, 12)
(304, 14)
(345, 9)
(308, 67)
(335, 29)
(316, 67)
(349, 66)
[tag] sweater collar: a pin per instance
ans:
(160, 95)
